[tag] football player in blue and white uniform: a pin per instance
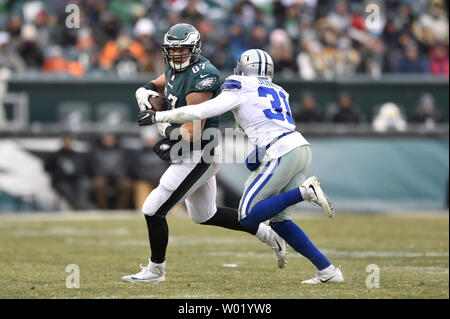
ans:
(281, 159)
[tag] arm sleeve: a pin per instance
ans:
(222, 103)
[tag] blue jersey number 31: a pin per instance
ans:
(276, 112)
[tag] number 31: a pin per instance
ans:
(264, 91)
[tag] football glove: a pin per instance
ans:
(163, 147)
(142, 96)
(146, 118)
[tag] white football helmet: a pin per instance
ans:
(255, 62)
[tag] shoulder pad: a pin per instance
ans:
(231, 83)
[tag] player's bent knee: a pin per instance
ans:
(247, 222)
(147, 210)
(154, 201)
(246, 218)
(147, 207)
(200, 218)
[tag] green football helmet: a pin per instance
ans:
(181, 35)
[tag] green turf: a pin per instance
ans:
(411, 252)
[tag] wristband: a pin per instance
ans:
(168, 130)
(151, 86)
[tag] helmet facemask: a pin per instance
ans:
(179, 62)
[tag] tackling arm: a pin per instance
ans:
(222, 103)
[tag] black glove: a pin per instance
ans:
(146, 117)
(163, 147)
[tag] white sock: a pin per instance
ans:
(263, 231)
(303, 191)
(329, 268)
(161, 265)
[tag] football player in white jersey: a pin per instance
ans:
(281, 159)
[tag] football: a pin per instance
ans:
(158, 103)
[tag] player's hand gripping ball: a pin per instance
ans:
(158, 103)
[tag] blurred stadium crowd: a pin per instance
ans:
(388, 116)
(106, 177)
(307, 38)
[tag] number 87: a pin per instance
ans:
(264, 91)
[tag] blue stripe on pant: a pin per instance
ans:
(247, 217)
(241, 215)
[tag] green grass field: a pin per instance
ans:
(411, 251)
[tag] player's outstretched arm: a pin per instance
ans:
(222, 103)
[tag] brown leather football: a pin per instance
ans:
(158, 103)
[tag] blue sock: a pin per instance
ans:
(269, 207)
(298, 240)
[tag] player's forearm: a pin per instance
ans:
(214, 107)
(156, 84)
(192, 131)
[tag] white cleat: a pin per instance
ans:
(315, 195)
(153, 273)
(278, 245)
(327, 275)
